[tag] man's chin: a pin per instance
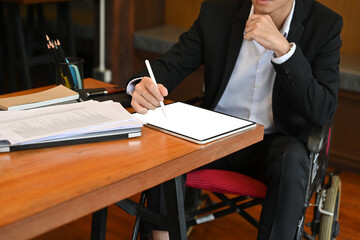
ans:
(263, 2)
(263, 6)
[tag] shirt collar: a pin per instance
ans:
(286, 27)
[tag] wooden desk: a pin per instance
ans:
(45, 188)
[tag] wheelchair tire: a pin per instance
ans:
(329, 225)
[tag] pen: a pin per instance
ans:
(147, 63)
(107, 91)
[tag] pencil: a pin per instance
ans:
(61, 51)
(59, 58)
(64, 59)
(64, 79)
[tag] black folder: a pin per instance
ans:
(77, 139)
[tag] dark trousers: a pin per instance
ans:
(282, 163)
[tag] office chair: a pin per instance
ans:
(251, 192)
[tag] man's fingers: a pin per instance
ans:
(248, 36)
(263, 30)
(145, 94)
(260, 17)
(250, 29)
(254, 16)
(153, 88)
(163, 90)
(144, 102)
(254, 20)
(257, 21)
(137, 107)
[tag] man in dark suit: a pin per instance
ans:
(275, 62)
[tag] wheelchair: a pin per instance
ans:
(251, 192)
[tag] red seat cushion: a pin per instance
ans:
(227, 182)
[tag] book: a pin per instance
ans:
(193, 123)
(55, 95)
(60, 125)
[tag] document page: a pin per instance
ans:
(63, 121)
(194, 123)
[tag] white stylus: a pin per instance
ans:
(147, 63)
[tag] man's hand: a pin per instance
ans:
(263, 30)
(147, 95)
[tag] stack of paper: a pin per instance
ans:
(88, 121)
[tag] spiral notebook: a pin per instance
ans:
(194, 124)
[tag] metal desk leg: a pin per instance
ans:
(175, 208)
(98, 224)
(137, 220)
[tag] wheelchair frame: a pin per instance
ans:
(318, 147)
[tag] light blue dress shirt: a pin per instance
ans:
(248, 93)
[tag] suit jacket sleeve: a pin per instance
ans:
(312, 82)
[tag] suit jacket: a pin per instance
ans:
(306, 85)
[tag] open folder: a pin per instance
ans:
(194, 124)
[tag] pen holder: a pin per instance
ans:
(70, 73)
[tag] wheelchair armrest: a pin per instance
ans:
(317, 138)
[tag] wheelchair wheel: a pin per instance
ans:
(329, 225)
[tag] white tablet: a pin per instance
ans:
(193, 123)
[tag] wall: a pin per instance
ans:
(149, 13)
(349, 10)
(345, 141)
(182, 13)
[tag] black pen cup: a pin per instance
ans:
(70, 73)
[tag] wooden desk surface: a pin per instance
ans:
(45, 188)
